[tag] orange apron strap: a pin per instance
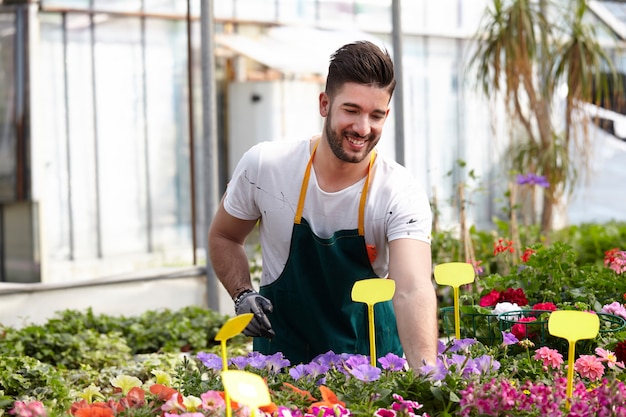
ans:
(364, 196)
(305, 184)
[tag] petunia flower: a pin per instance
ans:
(508, 339)
(366, 372)
(174, 403)
(162, 377)
(392, 362)
(192, 403)
(212, 400)
(210, 360)
(125, 383)
(28, 409)
(90, 392)
(329, 399)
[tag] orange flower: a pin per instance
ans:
(305, 394)
(269, 409)
(329, 399)
(94, 410)
(164, 393)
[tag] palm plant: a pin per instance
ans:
(525, 50)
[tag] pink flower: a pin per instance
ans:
(609, 357)
(550, 357)
(615, 308)
(589, 366)
(30, 409)
(616, 260)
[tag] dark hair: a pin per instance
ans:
(360, 62)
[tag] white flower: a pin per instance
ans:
(505, 308)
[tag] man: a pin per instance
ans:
(332, 211)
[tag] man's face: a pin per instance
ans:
(355, 116)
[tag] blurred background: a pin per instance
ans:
(121, 121)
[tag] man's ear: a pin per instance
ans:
(324, 104)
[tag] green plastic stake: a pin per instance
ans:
(232, 327)
(573, 326)
(455, 274)
(371, 291)
(246, 388)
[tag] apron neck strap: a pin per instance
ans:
(305, 184)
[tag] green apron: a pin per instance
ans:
(313, 310)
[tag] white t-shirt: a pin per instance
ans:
(266, 184)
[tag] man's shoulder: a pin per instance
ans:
(282, 148)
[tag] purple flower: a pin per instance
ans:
(437, 372)
(257, 360)
(533, 179)
(315, 369)
(298, 371)
(366, 372)
(240, 361)
(461, 344)
(508, 339)
(392, 362)
(486, 364)
(210, 360)
(276, 362)
(329, 358)
(356, 360)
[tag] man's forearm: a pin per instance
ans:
(416, 317)
(230, 263)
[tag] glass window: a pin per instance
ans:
(8, 138)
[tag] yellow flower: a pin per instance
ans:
(162, 378)
(90, 392)
(125, 383)
(192, 403)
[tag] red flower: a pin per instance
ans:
(609, 256)
(503, 246)
(514, 295)
(527, 254)
(521, 330)
(620, 351)
(545, 306)
(490, 299)
(135, 398)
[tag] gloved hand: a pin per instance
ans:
(252, 302)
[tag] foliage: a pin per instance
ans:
(22, 377)
(525, 51)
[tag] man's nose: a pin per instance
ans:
(362, 126)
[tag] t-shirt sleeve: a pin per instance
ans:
(410, 214)
(240, 197)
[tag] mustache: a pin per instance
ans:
(353, 133)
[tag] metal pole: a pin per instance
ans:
(209, 139)
(396, 31)
(192, 143)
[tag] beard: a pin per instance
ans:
(335, 142)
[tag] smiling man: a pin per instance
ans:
(332, 211)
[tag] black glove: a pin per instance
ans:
(251, 301)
